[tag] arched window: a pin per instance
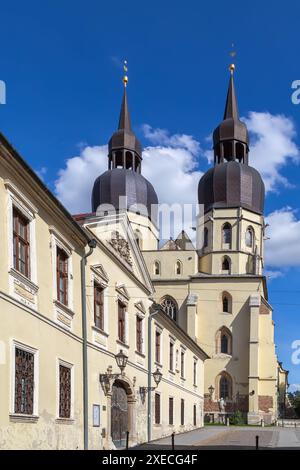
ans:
(249, 237)
(205, 237)
(240, 152)
(178, 267)
(169, 306)
(227, 148)
(224, 344)
(224, 387)
(157, 268)
(226, 265)
(226, 302)
(224, 341)
(226, 234)
(138, 238)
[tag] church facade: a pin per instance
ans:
(218, 288)
(109, 338)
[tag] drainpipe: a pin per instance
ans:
(92, 244)
(154, 309)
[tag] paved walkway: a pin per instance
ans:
(215, 437)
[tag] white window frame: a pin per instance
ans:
(17, 200)
(59, 241)
(96, 279)
(18, 345)
(158, 329)
(125, 302)
(195, 377)
(183, 350)
(71, 367)
(173, 341)
(160, 409)
(141, 315)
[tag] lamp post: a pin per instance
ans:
(211, 390)
(121, 360)
(157, 376)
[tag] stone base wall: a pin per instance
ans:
(265, 403)
(242, 404)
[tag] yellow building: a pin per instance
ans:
(77, 314)
(107, 336)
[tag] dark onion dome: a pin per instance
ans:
(123, 177)
(111, 185)
(232, 184)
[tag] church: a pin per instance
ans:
(111, 338)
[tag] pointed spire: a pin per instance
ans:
(124, 119)
(231, 107)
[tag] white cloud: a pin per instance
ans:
(74, 183)
(273, 274)
(294, 388)
(272, 146)
(171, 163)
(283, 248)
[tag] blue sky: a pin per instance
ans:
(60, 61)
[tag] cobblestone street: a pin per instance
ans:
(230, 438)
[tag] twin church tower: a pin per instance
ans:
(217, 293)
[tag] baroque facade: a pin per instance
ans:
(108, 336)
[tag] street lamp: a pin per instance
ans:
(157, 376)
(211, 391)
(121, 360)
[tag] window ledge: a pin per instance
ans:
(23, 418)
(101, 332)
(140, 353)
(17, 275)
(64, 421)
(158, 364)
(172, 372)
(124, 345)
(64, 308)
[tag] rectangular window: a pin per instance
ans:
(64, 391)
(195, 415)
(62, 276)
(157, 347)
(24, 381)
(157, 408)
(121, 321)
(182, 412)
(171, 358)
(171, 411)
(182, 371)
(139, 334)
(21, 243)
(195, 372)
(99, 306)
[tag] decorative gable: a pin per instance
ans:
(121, 289)
(140, 306)
(100, 271)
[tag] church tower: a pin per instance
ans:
(122, 188)
(232, 196)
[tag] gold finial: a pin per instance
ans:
(125, 77)
(232, 54)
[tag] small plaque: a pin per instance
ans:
(96, 416)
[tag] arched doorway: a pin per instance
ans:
(119, 414)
